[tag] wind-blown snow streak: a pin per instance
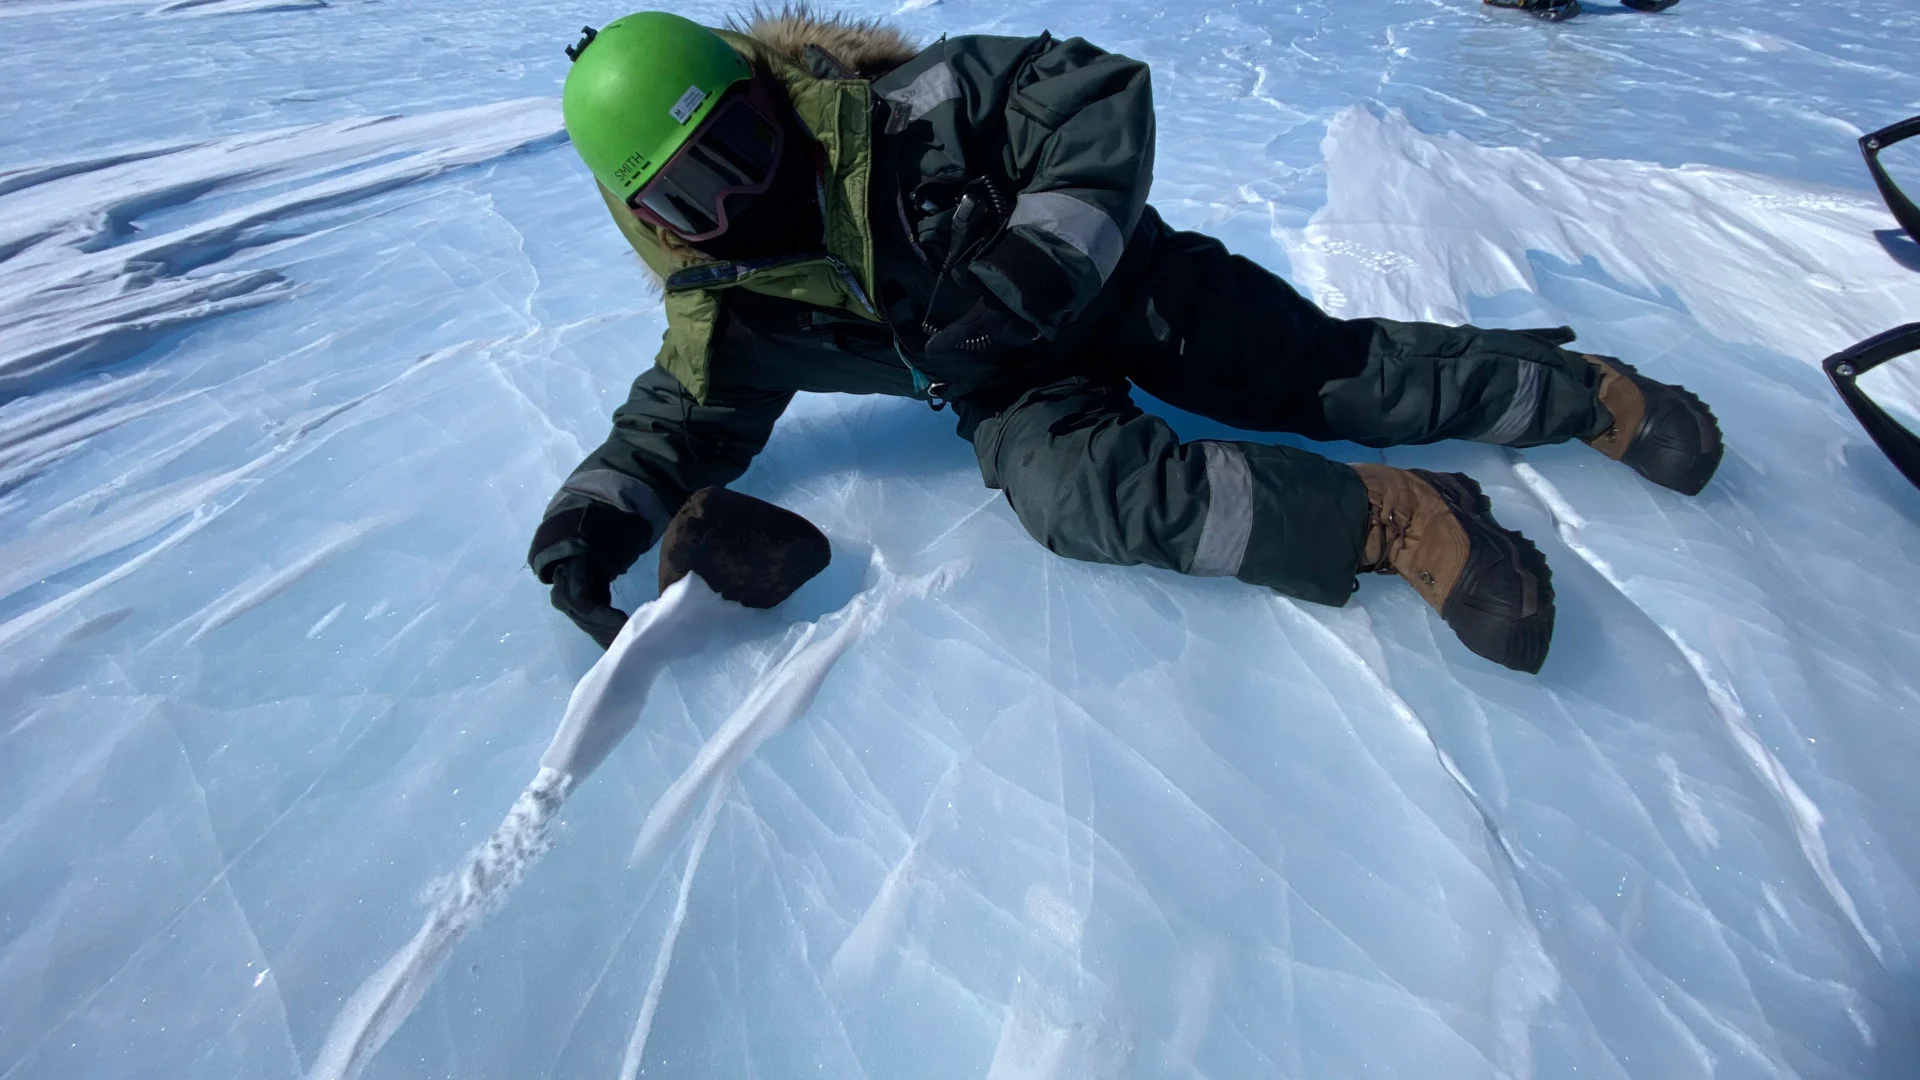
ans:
(461, 900)
(278, 580)
(82, 283)
(663, 959)
(784, 694)
(781, 696)
(29, 622)
(606, 703)
(1801, 812)
(603, 708)
(45, 550)
(24, 8)
(34, 438)
(1439, 220)
(1527, 978)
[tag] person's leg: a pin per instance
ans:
(1423, 382)
(1093, 477)
(1219, 335)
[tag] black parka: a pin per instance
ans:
(1051, 140)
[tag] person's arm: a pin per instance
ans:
(613, 507)
(1078, 144)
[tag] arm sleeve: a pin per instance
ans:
(663, 447)
(1079, 143)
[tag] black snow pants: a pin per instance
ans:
(1094, 477)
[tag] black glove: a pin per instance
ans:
(579, 551)
(986, 327)
(584, 593)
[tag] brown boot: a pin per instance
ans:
(1664, 432)
(1490, 585)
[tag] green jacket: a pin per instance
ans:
(838, 112)
(1055, 136)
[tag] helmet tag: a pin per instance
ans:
(689, 103)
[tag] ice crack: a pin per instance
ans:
(1802, 813)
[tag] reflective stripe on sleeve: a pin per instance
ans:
(1084, 226)
(617, 490)
(1229, 524)
(929, 90)
(1521, 410)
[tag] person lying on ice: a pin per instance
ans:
(829, 209)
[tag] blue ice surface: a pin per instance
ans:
(277, 415)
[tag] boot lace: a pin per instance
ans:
(1391, 530)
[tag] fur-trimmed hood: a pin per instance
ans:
(864, 48)
(1078, 151)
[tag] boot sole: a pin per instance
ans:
(1683, 454)
(1512, 639)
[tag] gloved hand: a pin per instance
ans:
(986, 327)
(579, 549)
(584, 593)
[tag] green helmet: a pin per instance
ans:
(639, 88)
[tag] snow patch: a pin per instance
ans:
(86, 281)
(1416, 225)
(602, 709)
(460, 900)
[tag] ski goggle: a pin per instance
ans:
(735, 152)
(1871, 144)
(1900, 445)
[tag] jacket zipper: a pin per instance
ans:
(925, 387)
(853, 285)
(709, 275)
(715, 274)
